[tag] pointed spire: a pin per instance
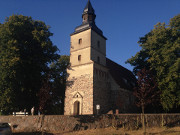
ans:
(88, 9)
(88, 13)
(88, 20)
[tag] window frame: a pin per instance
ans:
(79, 57)
(80, 41)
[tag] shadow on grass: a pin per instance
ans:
(86, 119)
(165, 133)
(173, 124)
(32, 133)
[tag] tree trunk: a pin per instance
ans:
(143, 120)
(143, 109)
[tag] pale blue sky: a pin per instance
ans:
(122, 21)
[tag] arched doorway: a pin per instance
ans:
(76, 108)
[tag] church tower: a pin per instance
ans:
(87, 83)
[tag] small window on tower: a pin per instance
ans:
(98, 44)
(98, 59)
(80, 41)
(79, 57)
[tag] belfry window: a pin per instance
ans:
(80, 41)
(98, 59)
(98, 44)
(79, 57)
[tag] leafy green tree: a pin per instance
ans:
(59, 75)
(161, 53)
(52, 93)
(25, 53)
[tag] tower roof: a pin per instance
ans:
(88, 22)
(88, 9)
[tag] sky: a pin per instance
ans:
(123, 22)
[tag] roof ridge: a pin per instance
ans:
(118, 64)
(123, 77)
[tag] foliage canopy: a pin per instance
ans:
(25, 53)
(160, 52)
(52, 93)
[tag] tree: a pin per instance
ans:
(52, 93)
(161, 54)
(45, 96)
(25, 54)
(58, 78)
(146, 90)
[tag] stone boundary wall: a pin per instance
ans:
(62, 123)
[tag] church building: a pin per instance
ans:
(95, 84)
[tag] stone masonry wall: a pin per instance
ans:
(60, 123)
(101, 86)
(101, 94)
(83, 85)
(123, 100)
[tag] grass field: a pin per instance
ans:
(121, 131)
